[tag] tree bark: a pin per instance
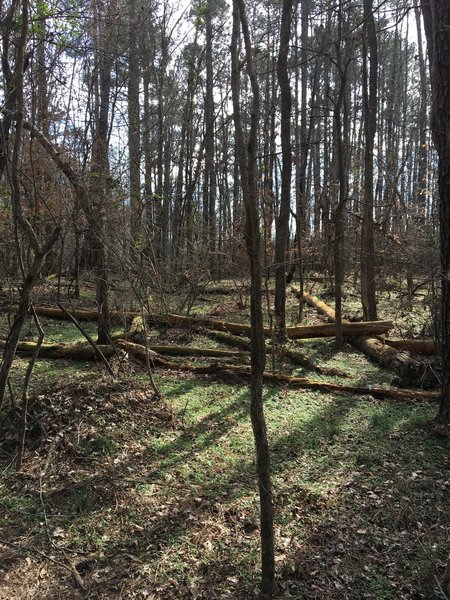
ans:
(340, 150)
(436, 14)
(369, 90)
(209, 184)
(282, 230)
(134, 138)
(247, 167)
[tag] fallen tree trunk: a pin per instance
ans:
(313, 301)
(302, 332)
(81, 314)
(84, 351)
(426, 347)
(194, 351)
(294, 356)
(410, 371)
(230, 370)
(81, 351)
(348, 329)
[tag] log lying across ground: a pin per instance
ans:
(348, 329)
(295, 356)
(81, 314)
(302, 382)
(80, 351)
(84, 351)
(294, 333)
(426, 347)
(410, 371)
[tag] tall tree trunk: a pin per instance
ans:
(436, 15)
(340, 150)
(369, 90)
(97, 209)
(134, 136)
(282, 232)
(210, 185)
(247, 165)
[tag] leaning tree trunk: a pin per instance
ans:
(22, 225)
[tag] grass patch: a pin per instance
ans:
(163, 497)
(159, 496)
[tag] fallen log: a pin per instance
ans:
(84, 351)
(81, 314)
(301, 332)
(426, 347)
(316, 303)
(294, 356)
(194, 351)
(80, 351)
(303, 382)
(143, 353)
(229, 339)
(410, 371)
(349, 330)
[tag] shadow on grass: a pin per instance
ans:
(341, 437)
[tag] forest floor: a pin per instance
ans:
(123, 495)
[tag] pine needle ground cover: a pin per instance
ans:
(126, 496)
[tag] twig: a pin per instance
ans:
(69, 566)
(147, 356)
(440, 588)
(89, 339)
(24, 408)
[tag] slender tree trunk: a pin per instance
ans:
(247, 164)
(369, 89)
(97, 209)
(134, 136)
(209, 185)
(282, 232)
(340, 151)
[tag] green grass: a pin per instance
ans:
(357, 484)
(161, 496)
